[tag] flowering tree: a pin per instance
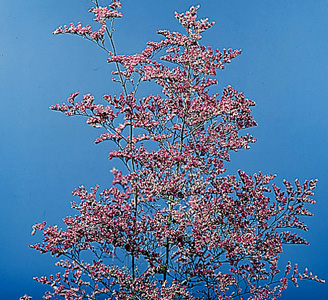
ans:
(172, 226)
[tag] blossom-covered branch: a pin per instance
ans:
(172, 225)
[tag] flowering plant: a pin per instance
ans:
(172, 225)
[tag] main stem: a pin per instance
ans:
(167, 246)
(135, 193)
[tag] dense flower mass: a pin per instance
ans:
(172, 225)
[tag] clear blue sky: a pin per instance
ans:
(44, 155)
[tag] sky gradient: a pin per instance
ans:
(45, 155)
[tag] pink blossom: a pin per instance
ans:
(172, 224)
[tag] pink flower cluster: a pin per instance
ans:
(83, 31)
(102, 15)
(189, 22)
(172, 226)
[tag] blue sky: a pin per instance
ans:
(44, 155)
